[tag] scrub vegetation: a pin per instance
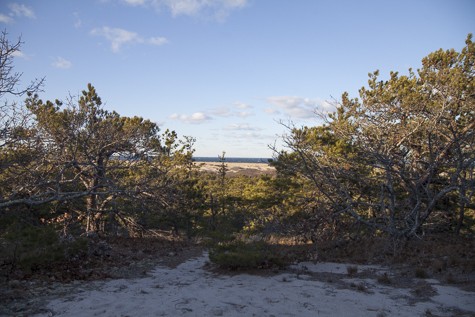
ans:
(387, 175)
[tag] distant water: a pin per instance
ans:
(232, 159)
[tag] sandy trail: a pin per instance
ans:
(192, 290)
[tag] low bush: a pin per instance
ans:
(25, 249)
(420, 273)
(237, 254)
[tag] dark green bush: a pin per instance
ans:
(247, 255)
(29, 248)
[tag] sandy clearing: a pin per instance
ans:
(192, 290)
(238, 168)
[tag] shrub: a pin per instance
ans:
(241, 255)
(29, 248)
(420, 273)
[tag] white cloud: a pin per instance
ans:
(22, 10)
(298, 107)
(5, 19)
(61, 63)
(195, 118)
(218, 9)
(120, 37)
(117, 37)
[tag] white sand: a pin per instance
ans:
(234, 167)
(191, 290)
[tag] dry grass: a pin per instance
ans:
(384, 279)
(285, 240)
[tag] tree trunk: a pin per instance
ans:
(461, 218)
(91, 204)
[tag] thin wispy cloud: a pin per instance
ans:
(221, 112)
(239, 137)
(61, 63)
(17, 10)
(157, 41)
(218, 9)
(244, 114)
(5, 19)
(271, 111)
(135, 2)
(118, 37)
(241, 105)
(19, 54)
(78, 21)
(241, 127)
(237, 110)
(21, 10)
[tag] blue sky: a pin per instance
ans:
(226, 71)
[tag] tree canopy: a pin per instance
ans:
(395, 159)
(396, 162)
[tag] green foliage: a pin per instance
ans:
(91, 166)
(396, 159)
(237, 254)
(29, 248)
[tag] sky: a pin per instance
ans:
(226, 72)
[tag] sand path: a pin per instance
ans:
(192, 290)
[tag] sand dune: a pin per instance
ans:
(238, 168)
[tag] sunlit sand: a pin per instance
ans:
(238, 168)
